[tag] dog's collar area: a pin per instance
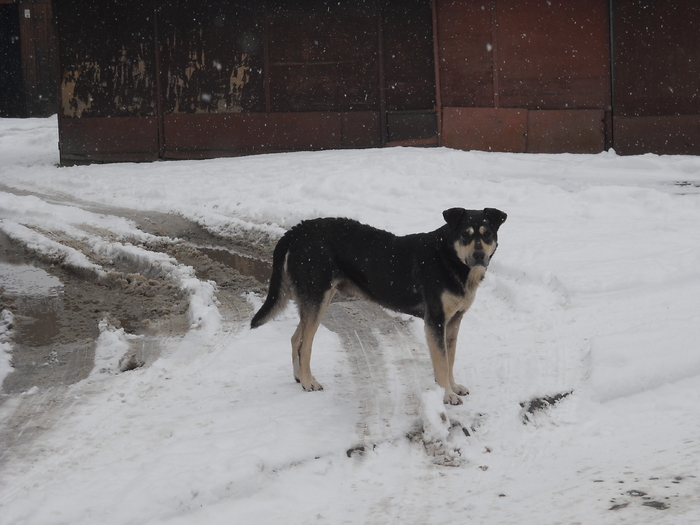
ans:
(476, 275)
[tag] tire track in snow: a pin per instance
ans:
(388, 378)
(137, 289)
(391, 369)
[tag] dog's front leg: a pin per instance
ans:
(435, 335)
(452, 332)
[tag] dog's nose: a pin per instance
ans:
(479, 257)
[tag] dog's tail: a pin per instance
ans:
(278, 293)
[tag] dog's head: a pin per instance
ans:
(474, 233)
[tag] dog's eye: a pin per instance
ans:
(487, 235)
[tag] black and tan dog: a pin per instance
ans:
(433, 276)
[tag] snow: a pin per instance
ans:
(112, 345)
(6, 328)
(594, 290)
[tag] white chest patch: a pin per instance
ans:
(452, 304)
(476, 275)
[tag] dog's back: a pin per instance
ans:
(319, 254)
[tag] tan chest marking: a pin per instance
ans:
(452, 304)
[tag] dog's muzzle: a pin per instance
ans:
(478, 258)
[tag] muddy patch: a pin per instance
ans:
(56, 311)
(56, 326)
(246, 265)
(529, 410)
(656, 493)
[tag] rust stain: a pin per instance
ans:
(204, 82)
(121, 87)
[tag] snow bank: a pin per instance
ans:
(49, 249)
(25, 219)
(111, 348)
(202, 312)
(7, 324)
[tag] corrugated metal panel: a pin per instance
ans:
(107, 57)
(487, 129)
(567, 131)
(465, 51)
(657, 66)
(672, 134)
(656, 57)
(409, 71)
(553, 54)
(104, 139)
(38, 59)
(323, 55)
(215, 135)
(211, 57)
(547, 59)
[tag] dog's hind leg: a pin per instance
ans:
(296, 345)
(452, 332)
(310, 315)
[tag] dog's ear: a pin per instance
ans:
(495, 217)
(453, 216)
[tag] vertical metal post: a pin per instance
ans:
(59, 77)
(382, 87)
(266, 59)
(436, 59)
(159, 83)
(494, 53)
(611, 130)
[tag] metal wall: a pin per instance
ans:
(196, 79)
(11, 86)
(38, 58)
(656, 58)
(524, 75)
(28, 67)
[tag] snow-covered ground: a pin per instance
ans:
(595, 290)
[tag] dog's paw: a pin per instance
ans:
(451, 399)
(311, 386)
(460, 390)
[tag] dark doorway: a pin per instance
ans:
(11, 83)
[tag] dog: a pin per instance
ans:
(432, 275)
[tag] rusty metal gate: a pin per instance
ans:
(524, 75)
(656, 59)
(28, 66)
(196, 79)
